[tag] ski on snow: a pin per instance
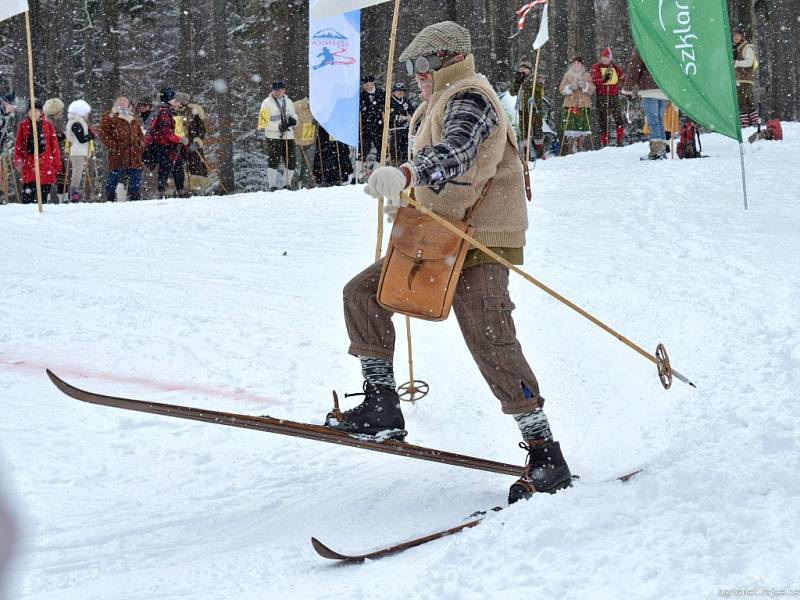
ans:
(474, 520)
(322, 434)
(291, 428)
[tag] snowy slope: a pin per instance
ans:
(235, 303)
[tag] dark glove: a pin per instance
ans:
(292, 121)
(283, 128)
(192, 147)
(519, 77)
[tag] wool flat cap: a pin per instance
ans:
(447, 35)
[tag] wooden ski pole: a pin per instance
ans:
(386, 109)
(34, 126)
(222, 185)
(659, 362)
(529, 141)
(384, 151)
(4, 175)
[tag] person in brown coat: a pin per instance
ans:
(577, 88)
(122, 136)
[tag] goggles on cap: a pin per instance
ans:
(423, 64)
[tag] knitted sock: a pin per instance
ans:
(377, 371)
(534, 426)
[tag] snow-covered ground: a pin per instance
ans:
(235, 303)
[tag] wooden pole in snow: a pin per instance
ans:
(34, 128)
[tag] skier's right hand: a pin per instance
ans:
(388, 183)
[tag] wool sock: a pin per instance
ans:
(377, 371)
(534, 426)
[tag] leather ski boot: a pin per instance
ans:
(545, 471)
(378, 415)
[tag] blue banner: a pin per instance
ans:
(334, 73)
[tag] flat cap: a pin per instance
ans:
(447, 35)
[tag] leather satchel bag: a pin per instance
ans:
(423, 263)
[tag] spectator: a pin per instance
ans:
(79, 135)
(53, 110)
(24, 156)
(607, 77)
(654, 102)
(577, 88)
(371, 104)
(399, 118)
(522, 88)
(8, 109)
(745, 64)
(332, 164)
(305, 139)
(196, 166)
(144, 109)
(162, 145)
(280, 118)
(121, 133)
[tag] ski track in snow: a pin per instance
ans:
(119, 505)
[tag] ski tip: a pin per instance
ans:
(326, 552)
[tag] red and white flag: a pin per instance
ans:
(322, 9)
(9, 8)
(522, 11)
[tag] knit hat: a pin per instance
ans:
(447, 35)
(79, 108)
(399, 87)
(53, 106)
(183, 97)
(368, 79)
(278, 85)
(36, 102)
(9, 98)
(606, 52)
(739, 30)
(525, 64)
(167, 94)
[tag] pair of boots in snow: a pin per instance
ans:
(620, 137)
(272, 179)
(658, 149)
(380, 415)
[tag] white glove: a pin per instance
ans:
(388, 182)
(567, 90)
(585, 86)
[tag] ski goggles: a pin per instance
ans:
(423, 64)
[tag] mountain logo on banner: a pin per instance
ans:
(333, 47)
(329, 34)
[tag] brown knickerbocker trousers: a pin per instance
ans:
(483, 308)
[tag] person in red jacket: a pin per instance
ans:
(162, 147)
(49, 154)
(608, 77)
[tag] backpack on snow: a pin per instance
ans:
(689, 145)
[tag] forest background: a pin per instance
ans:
(226, 53)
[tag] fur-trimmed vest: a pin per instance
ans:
(502, 218)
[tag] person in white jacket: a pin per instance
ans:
(278, 119)
(79, 136)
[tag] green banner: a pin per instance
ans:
(686, 45)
